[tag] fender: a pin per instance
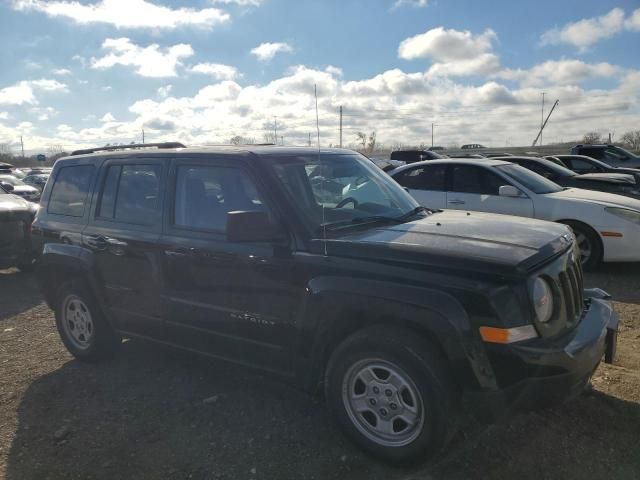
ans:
(436, 313)
(61, 257)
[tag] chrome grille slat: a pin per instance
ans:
(575, 289)
(567, 293)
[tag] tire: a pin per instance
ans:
(588, 240)
(81, 324)
(414, 364)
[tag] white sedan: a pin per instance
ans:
(607, 226)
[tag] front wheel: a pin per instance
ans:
(589, 244)
(390, 391)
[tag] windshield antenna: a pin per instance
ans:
(324, 220)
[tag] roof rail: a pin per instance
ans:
(126, 147)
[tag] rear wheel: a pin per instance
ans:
(82, 326)
(589, 244)
(391, 393)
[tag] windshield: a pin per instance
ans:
(528, 179)
(338, 189)
(555, 168)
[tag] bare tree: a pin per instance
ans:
(270, 137)
(592, 137)
(362, 139)
(6, 153)
(631, 140)
(371, 143)
(240, 140)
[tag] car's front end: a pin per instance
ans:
(551, 356)
(16, 217)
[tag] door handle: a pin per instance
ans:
(456, 202)
(96, 242)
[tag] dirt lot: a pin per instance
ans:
(143, 415)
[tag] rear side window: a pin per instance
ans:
(424, 178)
(471, 179)
(131, 194)
(70, 190)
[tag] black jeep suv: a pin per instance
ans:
(318, 267)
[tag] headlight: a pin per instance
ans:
(624, 213)
(542, 299)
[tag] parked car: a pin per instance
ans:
(582, 164)
(435, 148)
(319, 267)
(16, 216)
(18, 187)
(619, 183)
(610, 154)
(469, 155)
(606, 226)
(385, 164)
(411, 156)
(472, 146)
(37, 180)
(496, 154)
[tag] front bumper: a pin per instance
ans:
(554, 370)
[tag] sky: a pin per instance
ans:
(79, 73)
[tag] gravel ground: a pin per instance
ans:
(159, 413)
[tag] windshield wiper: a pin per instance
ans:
(381, 218)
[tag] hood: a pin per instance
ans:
(596, 197)
(470, 241)
(621, 178)
(12, 207)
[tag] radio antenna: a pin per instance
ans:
(324, 220)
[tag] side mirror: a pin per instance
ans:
(7, 186)
(508, 191)
(251, 226)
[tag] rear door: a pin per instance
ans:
(123, 232)
(581, 166)
(426, 183)
(477, 188)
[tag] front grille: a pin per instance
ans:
(572, 291)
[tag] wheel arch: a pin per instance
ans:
(344, 308)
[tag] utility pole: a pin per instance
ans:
(542, 118)
(143, 135)
(281, 139)
(340, 126)
(22, 146)
(545, 123)
(275, 130)
(309, 138)
(432, 134)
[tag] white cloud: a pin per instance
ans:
(216, 70)
(560, 72)
(4, 115)
(453, 52)
(151, 61)
(410, 3)
(61, 71)
(633, 22)
(266, 51)
(446, 45)
(107, 88)
(398, 105)
(107, 117)
(241, 3)
(23, 92)
(126, 13)
(587, 31)
(163, 92)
